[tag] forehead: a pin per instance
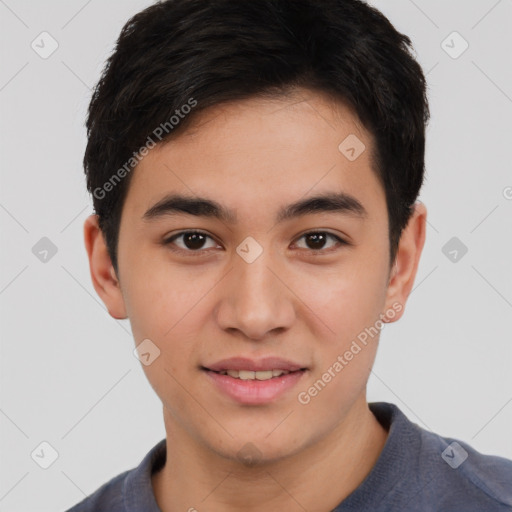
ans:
(263, 123)
(266, 149)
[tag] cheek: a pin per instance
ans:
(164, 307)
(151, 308)
(347, 299)
(160, 298)
(344, 357)
(170, 308)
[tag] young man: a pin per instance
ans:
(255, 168)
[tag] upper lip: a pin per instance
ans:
(243, 363)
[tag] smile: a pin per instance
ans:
(248, 375)
(254, 387)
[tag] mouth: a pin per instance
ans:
(254, 375)
(254, 382)
(246, 366)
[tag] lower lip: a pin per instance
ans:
(255, 392)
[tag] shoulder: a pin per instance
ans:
(444, 473)
(130, 491)
(459, 474)
(107, 498)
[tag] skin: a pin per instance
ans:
(290, 302)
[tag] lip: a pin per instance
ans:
(254, 392)
(243, 363)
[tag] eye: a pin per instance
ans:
(316, 240)
(192, 241)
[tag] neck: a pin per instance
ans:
(318, 477)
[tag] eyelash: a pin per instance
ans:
(200, 252)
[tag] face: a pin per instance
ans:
(271, 275)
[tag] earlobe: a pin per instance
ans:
(406, 262)
(103, 275)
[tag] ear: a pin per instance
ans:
(103, 275)
(406, 263)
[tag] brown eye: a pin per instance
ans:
(191, 241)
(316, 240)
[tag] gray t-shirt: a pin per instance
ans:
(416, 471)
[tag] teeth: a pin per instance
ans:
(263, 375)
(248, 375)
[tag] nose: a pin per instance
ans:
(255, 300)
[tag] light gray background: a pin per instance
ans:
(68, 374)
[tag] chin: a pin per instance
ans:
(260, 450)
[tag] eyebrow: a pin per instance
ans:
(175, 204)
